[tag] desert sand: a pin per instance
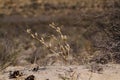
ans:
(73, 72)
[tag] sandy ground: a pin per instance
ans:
(110, 72)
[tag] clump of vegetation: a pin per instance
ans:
(57, 45)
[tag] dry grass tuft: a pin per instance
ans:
(56, 45)
(70, 76)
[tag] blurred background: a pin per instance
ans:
(92, 28)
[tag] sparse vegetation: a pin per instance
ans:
(93, 30)
(8, 54)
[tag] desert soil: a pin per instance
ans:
(110, 72)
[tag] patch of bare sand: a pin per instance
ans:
(110, 72)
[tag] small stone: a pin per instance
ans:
(31, 77)
(36, 69)
(15, 74)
